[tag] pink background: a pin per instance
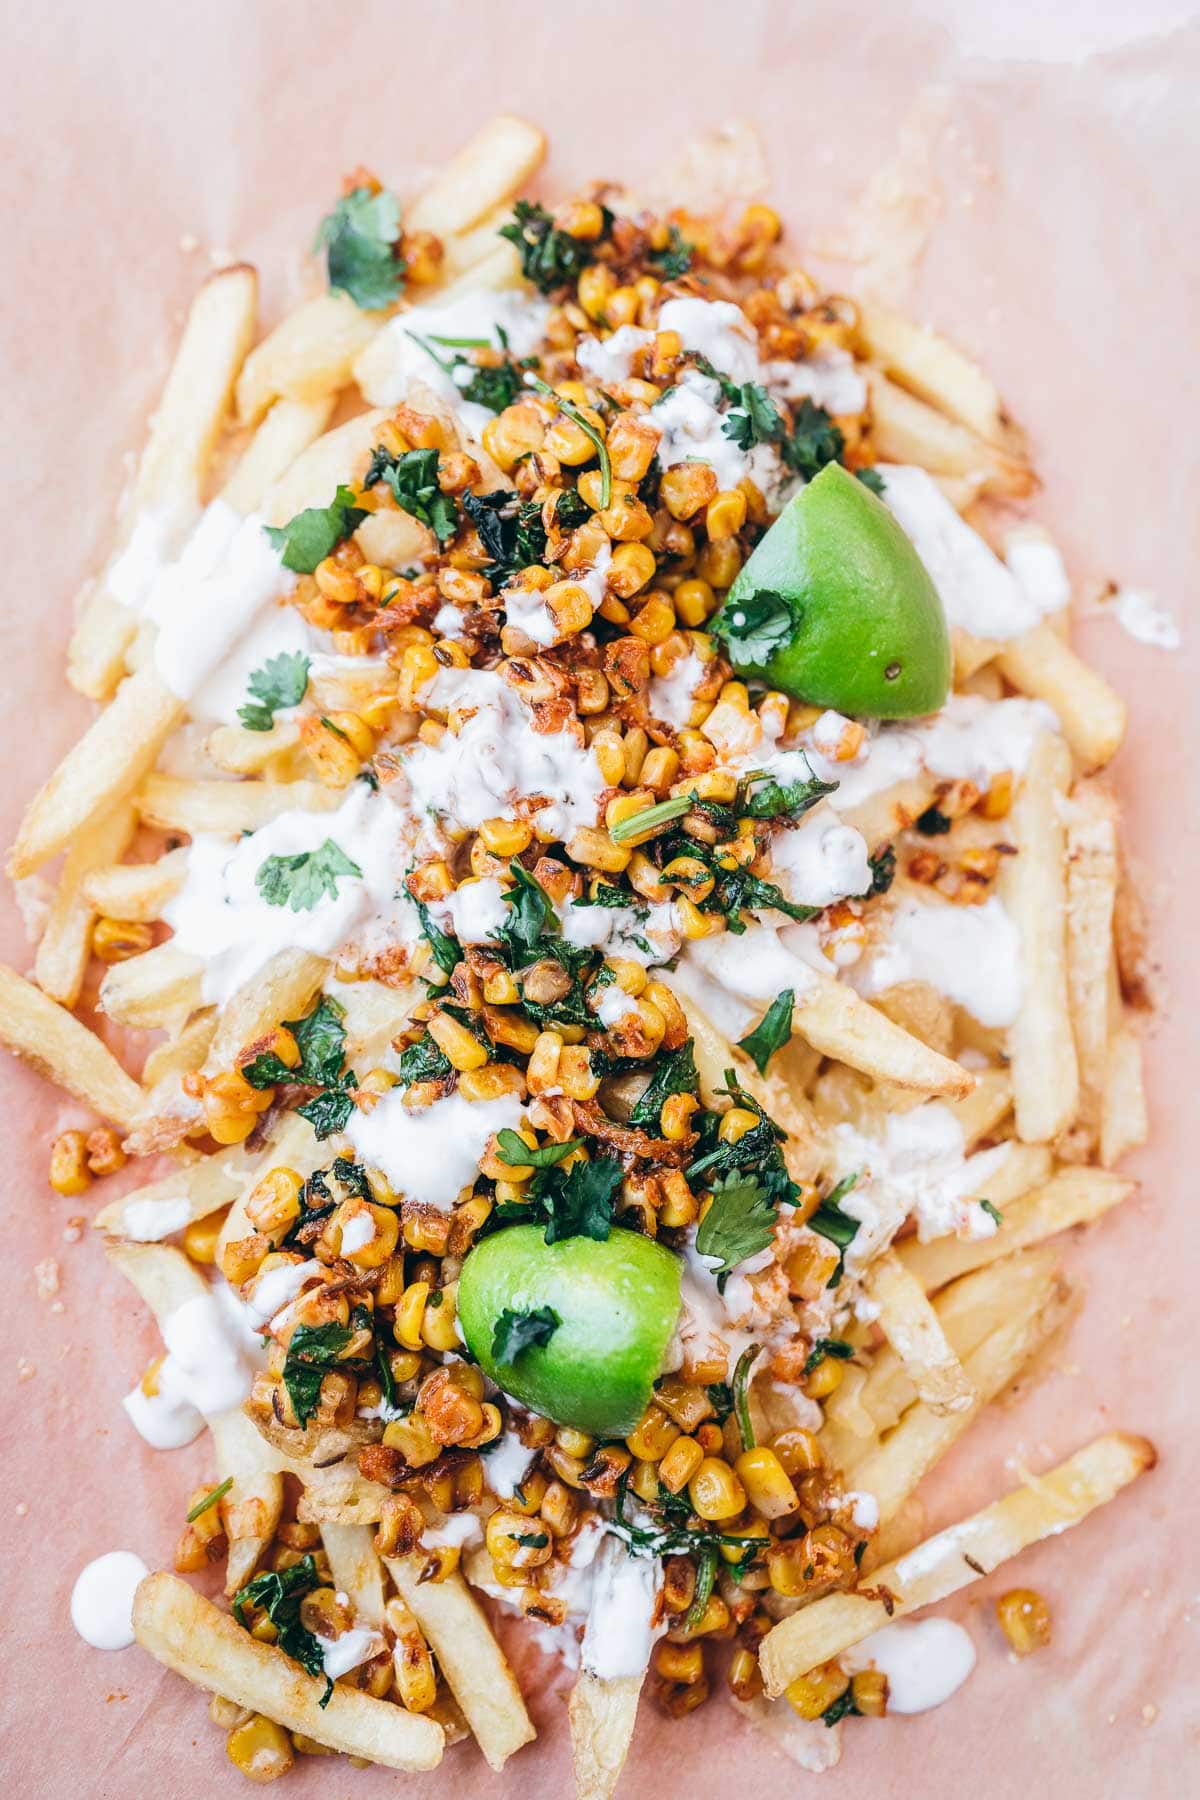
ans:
(1064, 151)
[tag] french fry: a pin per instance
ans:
(1032, 886)
(107, 763)
(307, 357)
(287, 429)
(465, 250)
(186, 1633)
(913, 1329)
(492, 165)
(136, 891)
(174, 803)
(244, 752)
(49, 1038)
(314, 476)
(1091, 894)
(251, 1509)
(160, 985)
(1123, 1121)
(66, 942)
(173, 464)
(906, 430)
(1071, 1197)
(336, 1497)
(840, 1024)
(283, 988)
(180, 1054)
(988, 1106)
(602, 1713)
(881, 816)
(155, 1210)
(472, 1662)
(1042, 1507)
(357, 1569)
(931, 368)
(1091, 714)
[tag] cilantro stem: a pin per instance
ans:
(210, 1499)
(741, 1394)
(453, 343)
(650, 817)
(706, 1576)
(589, 431)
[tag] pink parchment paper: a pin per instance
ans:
(1060, 145)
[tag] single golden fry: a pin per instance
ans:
(49, 1038)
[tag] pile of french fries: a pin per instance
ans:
(957, 1320)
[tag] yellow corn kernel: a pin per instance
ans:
(1024, 1619)
(116, 940)
(354, 729)
(689, 873)
(463, 1050)
(736, 1123)
(409, 1314)
(825, 1378)
(622, 307)
(679, 1205)
(726, 513)
(686, 488)
(683, 1663)
(503, 1535)
(333, 756)
(242, 1257)
(696, 924)
(632, 566)
(491, 1082)
(432, 881)
(542, 1069)
(694, 602)
(231, 1107)
(260, 1749)
(500, 989)
(593, 288)
(606, 746)
(735, 693)
(715, 1491)
(766, 1482)
(575, 1443)
(634, 747)
(273, 1205)
(413, 1438)
(997, 802)
(596, 850)
(631, 447)
(200, 1238)
(438, 1322)
(675, 1119)
(645, 879)
(660, 767)
(714, 1618)
(680, 1464)
(653, 1435)
(812, 1694)
(655, 619)
(570, 607)
(623, 808)
(518, 431)
(69, 1173)
(385, 1233)
(506, 837)
(710, 784)
(629, 976)
(745, 1681)
(719, 561)
(569, 442)
(576, 1076)
(798, 1450)
(869, 1689)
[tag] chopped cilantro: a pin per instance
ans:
(446, 953)
(883, 870)
(549, 257)
(871, 478)
(829, 1221)
(675, 258)
(756, 627)
(512, 1149)
(674, 1073)
(303, 880)
(756, 1153)
(321, 1040)
(814, 441)
(279, 1593)
(772, 1031)
(933, 823)
(578, 1202)
(762, 796)
(993, 1212)
(841, 1708)
(754, 418)
(360, 239)
(823, 1347)
(279, 683)
(423, 1061)
(312, 535)
(517, 1331)
(531, 918)
(313, 1350)
(412, 480)
(739, 1223)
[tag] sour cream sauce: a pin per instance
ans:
(102, 1599)
(925, 1661)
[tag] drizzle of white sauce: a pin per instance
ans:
(978, 593)
(149, 1221)
(430, 1153)
(1145, 620)
(972, 954)
(925, 1661)
(102, 1599)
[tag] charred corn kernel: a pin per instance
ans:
(692, 922)
(491, 1082)
(374, 1252)
(622, 307)
(719, 562)
(812, 1694)
(726, 514)
(413, 1438)
(736, 1123)
(825, 1378)
(518, 431)
(260, 1749)
(431, 881)
(409, 1314)
(680, 1464)
(679, 1205)
(354, 728)
(529, 1493)
(200, 1238)
(463, 1050)
(273, 1205)
(660, 768)
(675, 1118)
(569, 442)
(654, 620)
(334, 759)
(69, 1172)
(711, 784)
(438, 1329)
(593, 288)
(762, 220)
(116, 940)
(323, 1613)
(231, 1107)
(696, 753)
(412, 1664)
(418, 667)
(632, 566)
(576, 1076)
(559, 1509)
(653, 1435)
(570, 607)
(710, 1437)
(645, 879)
(542, 1069)
(694, 602)
(869, 1689)
(686, 488)
(1024, 1619)
(735, 693)
(714, 1618)
(674, 1017)
(634, 748)
(743, 1676)
(500, 989)
(628, 975)
(654, 1026)
(242, 1257)
(568, 1468)
(575, 1443)
(596, 850)
(690, 873)
(506, 837)
(631, 447)
(997, 802)
(766, 1482)
(798, 1450)
(503, 1535)
(715, 1491)
(679, 1662)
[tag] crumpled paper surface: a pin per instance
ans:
(1039, 165)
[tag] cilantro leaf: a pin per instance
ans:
(739, 1223)
(279, 1593)
(814, 441)
(512, 1149)
(495, 387)
(674, 1073)
(321, 1040)
(517, 1331)
(675, 258)
(764, 797)
(531, 918)
(446, 952)
(755, 419)
(883, 870)
(549, 257)
(582, 1203)
(423, 1061)
(841, 1708)
(871, 478)
(756, 627)
(771, 1033)
(280, 682)
(412, 480)
(360, 238)
(830, 1222)
(605, 894)
(312, 535)
(823, 1347)
(993, 1212)
(303, 880)
(756, 1153)
(311, 1351)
